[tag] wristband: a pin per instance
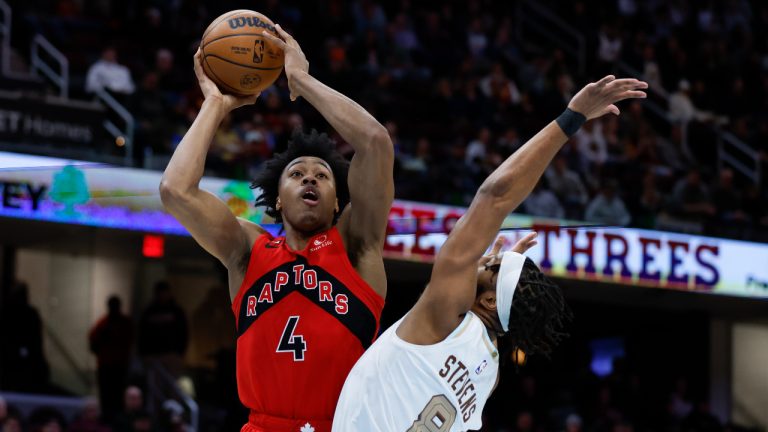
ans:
(570, 121)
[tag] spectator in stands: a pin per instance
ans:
(623, 426)
(12, 423)
(132, 417)
(111, 341)
(590, 143)
(651, 70)
(607, 207)
(46, 419)
(171, 417)
(163, 334)
(478, 148)
(88, 419)
(542, 202)
(10, 418)
(151, 109)
(690, 198)
(727, 199)
(573, 423)
(524, 422)
(108, 74)
(756, 208)
(681, 109)
(609, 45)
(497, 86)
(568, 187)
(649, 204)
(170, 81)
(701, 419)
(24, 366)
(226, 149)
(509, 142)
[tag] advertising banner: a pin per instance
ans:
(57, 190)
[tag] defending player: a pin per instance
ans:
(307, 304)
(435, 368)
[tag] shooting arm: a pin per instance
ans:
(205, 216)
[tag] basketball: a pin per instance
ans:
(237, 56)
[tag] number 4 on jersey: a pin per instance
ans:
(292, 343)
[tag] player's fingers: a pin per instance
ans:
(497, 245)
(632, 94)
(276, 40)
(605, 80)
(283, 33)
(635, 94)
(613, 109)
(198, 64)
(627, 84)
(530, 237)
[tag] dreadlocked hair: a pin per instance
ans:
(538, 314)
(301, 144)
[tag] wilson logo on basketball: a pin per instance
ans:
(258, 50)
(236, 23)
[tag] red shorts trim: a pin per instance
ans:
(264, 423)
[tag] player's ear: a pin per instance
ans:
(488, 300)
(336, 206)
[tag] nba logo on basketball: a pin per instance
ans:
(258, 50)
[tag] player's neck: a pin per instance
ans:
(297, 239)
(490, 320)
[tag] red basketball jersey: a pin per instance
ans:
(303, 319)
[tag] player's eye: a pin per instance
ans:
(322, 176)
(295, 174)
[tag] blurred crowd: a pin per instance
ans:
(459, 91)
(129, 360)
(643, 380)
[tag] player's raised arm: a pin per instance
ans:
(371, 185)
(452, 288)
(204, 215)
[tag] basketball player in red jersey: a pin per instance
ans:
(307, 304)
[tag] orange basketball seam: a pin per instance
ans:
(234, 35)
(239, 64)
(220, 81)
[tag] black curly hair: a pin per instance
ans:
(538, 313)
(301, 144)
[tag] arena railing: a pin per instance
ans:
(5, 33)
(728, 147)
(60, 78)
(574, 43)
(126, 134)
(76, 371)
(532, 15)
(160, 381)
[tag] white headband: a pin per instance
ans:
(506, 283)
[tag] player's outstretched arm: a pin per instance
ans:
(203, 214)
(452, 288)
(371, 185)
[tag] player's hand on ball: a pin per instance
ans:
(212, 92)
(598, 99)
(525, 243)
(295, 60)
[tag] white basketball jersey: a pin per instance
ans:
(397, 386)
